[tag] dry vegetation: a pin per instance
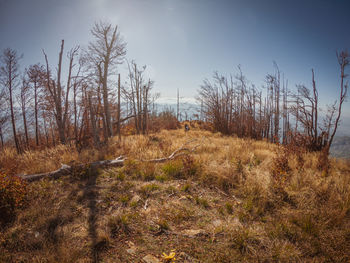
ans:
(233, 200)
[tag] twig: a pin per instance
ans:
(222, 192)
(146, 204)
(178, 152)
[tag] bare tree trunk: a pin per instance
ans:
(106, 102)
(75, 112)
(36, 114)
(45, 129)
(52, 134)
(137, 84)
(93, 121)
(1, 138)
(23, 102)
(13, 116)
(25, 126)
(315, 124)
(118, 123)
(58, 102)
(145, 108)
(72, 53)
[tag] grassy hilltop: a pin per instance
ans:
(230, 200)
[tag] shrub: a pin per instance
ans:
(120, 176)
(190, 167)
(170, 190)
(181, 168)
(280, 166)
(177, 214)
(146, 190)
(119, 224)
(124, 199)
(323, 163)
(163, 225)
(245, 240)
(227, 183)
(201, 201)
(132, 168)
(229, 208)
(239, 166)
(148, 171)
(13, 191)
(173, 169)
(161, 178)
(186, 188)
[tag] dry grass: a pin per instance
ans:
(228, 189)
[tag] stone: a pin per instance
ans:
(135, 199)
(182, 198)
(194, 232)
(131, 251)
(217, 222)
(150, 259)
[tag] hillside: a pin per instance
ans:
(228, 200)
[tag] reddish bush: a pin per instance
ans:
(280, 167)
(13, 191)
(165, 120)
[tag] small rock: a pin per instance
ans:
(182, 198)
(185, 197)
(193, 232)
(131, 251)
(135, 199)
(217, 223)
(150, 259)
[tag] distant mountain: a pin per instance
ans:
(341, 147)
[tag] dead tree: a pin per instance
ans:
(138, 95)
(9, 74)
(343, 61)
(106, 51)
(305, 110)
(23, 100)
(93, 119)
(119, 111)
(77, 82)
(3, 114)
(57, 91)
(36, 75)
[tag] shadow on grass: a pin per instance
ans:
(85, 181)
(90, 195)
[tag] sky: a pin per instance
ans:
(182, 42)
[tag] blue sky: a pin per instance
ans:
(184, 41)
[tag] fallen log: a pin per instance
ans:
(118, 162)
(66, 169)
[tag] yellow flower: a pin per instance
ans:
(169, 257)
